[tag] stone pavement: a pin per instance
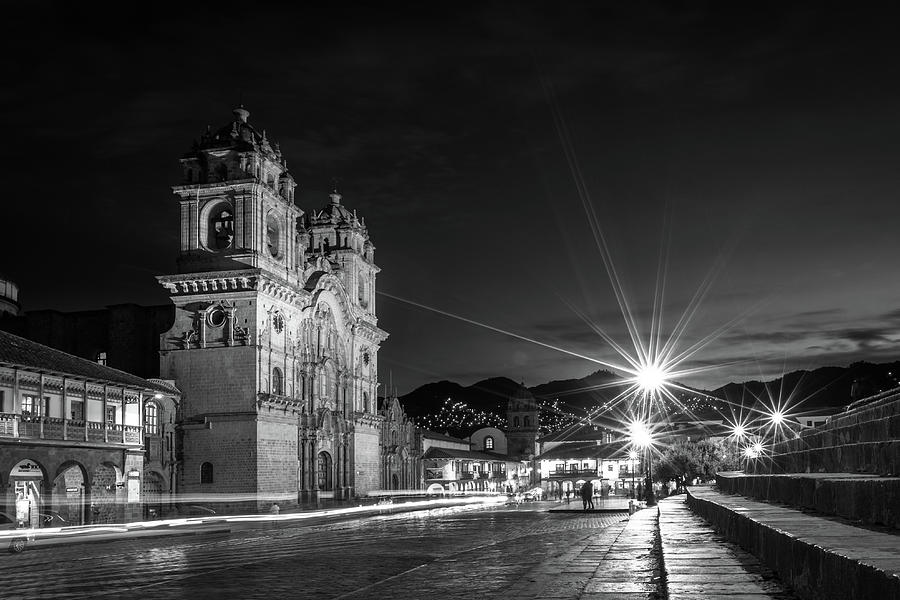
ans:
(619, 563)
(700, 564)
(820, 558)
(607, 504)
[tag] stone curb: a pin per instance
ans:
(819, 559)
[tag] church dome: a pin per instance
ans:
(238, 134)
(337, 213)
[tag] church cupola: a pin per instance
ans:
(338, 234)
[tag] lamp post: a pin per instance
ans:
(641, 438)
(649, 496)
(632, 455)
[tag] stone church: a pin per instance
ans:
(275, 340)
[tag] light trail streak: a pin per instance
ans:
(502, 331)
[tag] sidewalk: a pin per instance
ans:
(820, 556)
(618, 564)
(701, 564)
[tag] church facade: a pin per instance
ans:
(275, 338)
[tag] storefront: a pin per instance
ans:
(26, 481)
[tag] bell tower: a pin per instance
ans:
(521, 424)
(237, 204)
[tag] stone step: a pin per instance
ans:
(817, 557)
(699, 563)
(876, 458)
(865, 439)
(866, 499)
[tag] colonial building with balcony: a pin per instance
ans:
(73, 435)
(565, 467)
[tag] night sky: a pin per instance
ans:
(763, 145)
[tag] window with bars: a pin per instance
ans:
(76, 410)
(33, 407)
(151, 419)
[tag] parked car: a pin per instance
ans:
(7, 522)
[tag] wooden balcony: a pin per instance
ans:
(16, 426)
(575, 474)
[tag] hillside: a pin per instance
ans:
(446, 406)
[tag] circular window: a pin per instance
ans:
(278, 323)
(273, 234)
(216, 317)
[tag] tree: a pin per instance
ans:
(685, 460)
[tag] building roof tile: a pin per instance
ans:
(18, 352)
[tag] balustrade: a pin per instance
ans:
(53, 428)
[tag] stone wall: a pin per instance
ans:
(863, 440)
(277, 461)
(367, 459)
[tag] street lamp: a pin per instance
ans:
(642, 438)
(632, 455)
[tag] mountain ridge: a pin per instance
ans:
(447, 406)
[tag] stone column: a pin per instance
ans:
(124, 406)
(229, 324)
(41, 407)
(103, 413)
(65, 407)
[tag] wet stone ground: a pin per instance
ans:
(521, 552)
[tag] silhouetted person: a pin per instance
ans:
(587, 495)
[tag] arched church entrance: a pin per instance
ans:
(324, 471)
(69, 493)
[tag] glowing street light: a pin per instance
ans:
(642, 438)
(650, 378)
(777, 417)
(632, 456)
(739, 431)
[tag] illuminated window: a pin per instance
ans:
(488, 443)
(206, 473)
(31, 406)
(151, 419)
(101, 358)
